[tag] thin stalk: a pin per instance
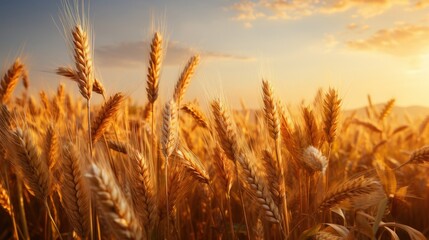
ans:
(154, 160)
(231, 223)
(166, 197)
(22, 211)
(52, 219)
(242, 202)
(285, 208)
(88, 109)
(15, 225)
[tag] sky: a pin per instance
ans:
(360, 47)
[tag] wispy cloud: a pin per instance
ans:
(249, 11)
(405, 40)
(135, 53)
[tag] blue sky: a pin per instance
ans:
(377, 47)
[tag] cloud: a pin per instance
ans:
(364, 8)
(357, 27)
(406, 40)
(135, 54)
(249, 11)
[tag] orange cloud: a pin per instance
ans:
(133, 54)
(422, 4)
(405, 40)
(364, 8)
(249, 11)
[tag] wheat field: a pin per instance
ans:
(176, 170)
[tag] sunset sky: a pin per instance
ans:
(360, 47)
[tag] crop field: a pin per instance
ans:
(72, 168)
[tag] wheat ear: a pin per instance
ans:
(106, 116)
(193, 165)
(33, 170)
(386, 110)
(273, 177)
(197, 114)
(270, 110)
(144, 191)
(113, 204)
(331, 112)
(351, 190)
(420, 156)
(52, 146)
(169, 136)
(75, 192)
(83, 61)
(228, 140)
(154, 68)
(259, 189)
(185, 78)
(311, 129)
(5, 200)
(68, 72)
(10, 80)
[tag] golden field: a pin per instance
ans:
(169, 170)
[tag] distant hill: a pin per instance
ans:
(400, 113)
